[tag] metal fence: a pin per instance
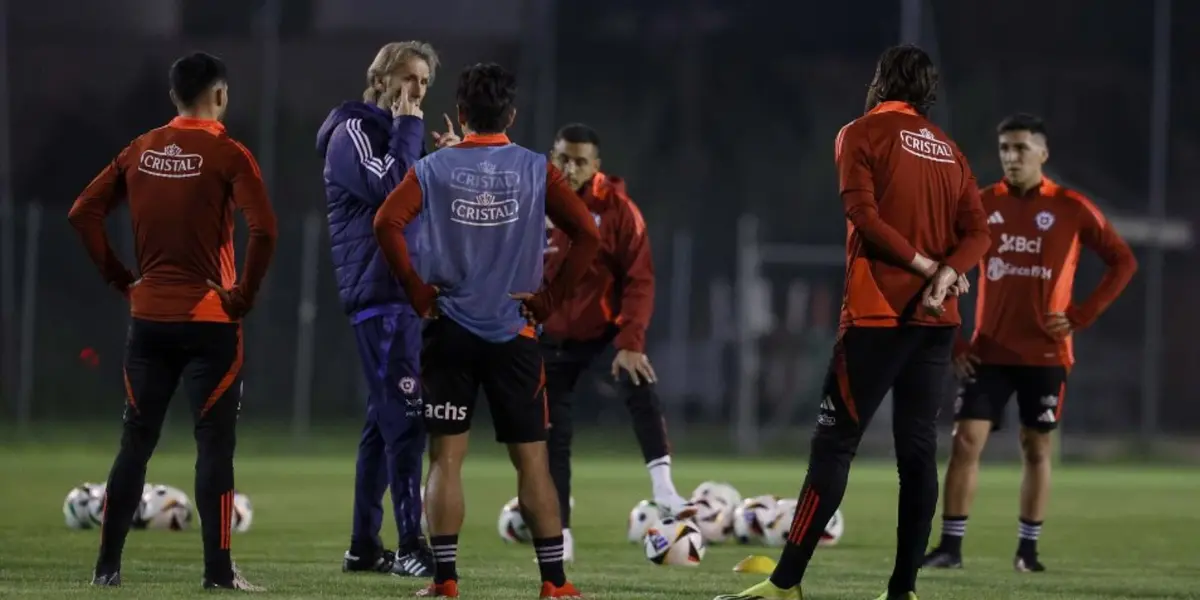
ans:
(720, 114)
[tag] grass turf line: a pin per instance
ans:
(1112, 533)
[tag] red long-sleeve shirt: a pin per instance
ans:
(183, 182)
(906, 189)
(563, 207)
(618, 289)
(1029, 271)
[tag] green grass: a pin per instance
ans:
(1112, 532)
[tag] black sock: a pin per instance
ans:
(1027, 537)
(954, 529)
(550, 559)
(445, 557)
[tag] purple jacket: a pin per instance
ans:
(367, 154)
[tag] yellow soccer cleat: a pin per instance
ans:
(765, 591)
(908, 596)
(755, 565)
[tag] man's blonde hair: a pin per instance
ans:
(390, 57)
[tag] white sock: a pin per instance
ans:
(568, 545)
(660, 479)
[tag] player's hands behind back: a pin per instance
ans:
(232, 301)
(964, 366)
(424, 300)
(636, 364)
(939, 288)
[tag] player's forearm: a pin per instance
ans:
(95, 241)
(260, 249)
(400, 209)
(864, 216)
(969, 251)
(1116, 278)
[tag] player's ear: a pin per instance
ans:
(597, 163)
(512, 117)
(174, 98)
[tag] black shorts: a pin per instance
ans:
(206, 358)
(456, 363)
(1040, 393)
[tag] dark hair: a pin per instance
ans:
(578, 133)
(486, 93)
(1022, 122)
(194, 74)
(905, 73)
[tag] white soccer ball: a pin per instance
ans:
(751, 517)
(645, 514)
(84, 506)
(166, 507)
(243, 513)
(776, 532)
(724, 493)
(512, 526)
(834, 529)
(711, 519)
(674, 543)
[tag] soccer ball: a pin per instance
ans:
(751, 517)
(166, 507)
(834, 529)
(776, 532)
(674, 543)
(710, 519)
(243, 513)
(512, 525)
(723, 493)
(645, 515)
(84, 506)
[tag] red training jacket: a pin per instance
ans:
(618, 289)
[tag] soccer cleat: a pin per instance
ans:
(112, 579)
(904, 596)
(941, 559)
(418, 563)
(377, 563)
(677, 507)
(237, 582)
(1028, 564)
(446, 589)
(566, 590)
(765, 591)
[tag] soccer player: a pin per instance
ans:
(1025, 316)
(481, 207)
(611, 305)
(915, 225)
(182, 182)
(368, 146)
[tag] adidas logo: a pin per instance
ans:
(996, 219)
(827, 405)
(1046, 417)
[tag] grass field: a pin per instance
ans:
(1112, 533)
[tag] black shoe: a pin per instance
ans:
(417, 563)
(236, 582)
(1028, 563)
(111, 579)
(379, 562)
(941, 559)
